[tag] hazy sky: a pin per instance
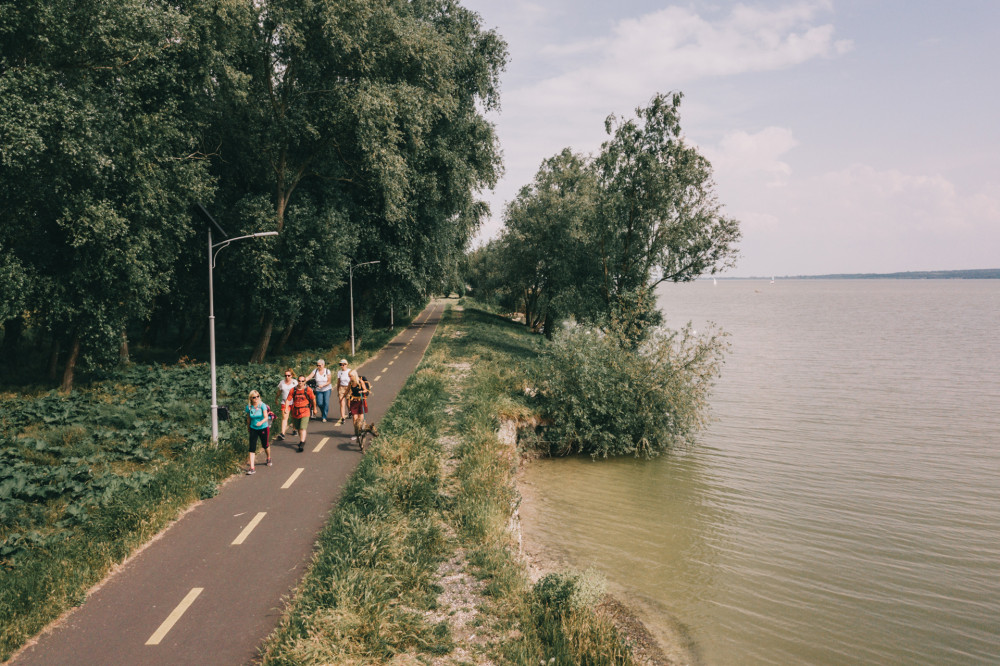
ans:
(846, 135)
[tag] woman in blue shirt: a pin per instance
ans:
(259, 426)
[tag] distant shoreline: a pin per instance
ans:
(975, 274)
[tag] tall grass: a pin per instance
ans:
(536, 627)
(373, 571)
(402, 514)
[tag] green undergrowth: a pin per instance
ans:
(87, 478)
(414, 502)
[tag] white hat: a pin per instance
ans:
(343, 361)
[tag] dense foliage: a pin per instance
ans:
(74, 457)
(543, 263)
(605, 398)
(354, 128)
(95, 99)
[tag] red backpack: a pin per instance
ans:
(300, 403)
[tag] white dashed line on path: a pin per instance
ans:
(171, 620)
(291, 479)
(248, 529)
(322, 442)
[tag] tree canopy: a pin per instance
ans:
(592, 237)
(98, 164)
(354, 128)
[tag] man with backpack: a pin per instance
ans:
(303, 403)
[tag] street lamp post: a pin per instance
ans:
(211, 305)
(350, 280)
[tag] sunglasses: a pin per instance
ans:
(287, 375)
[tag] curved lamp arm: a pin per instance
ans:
(224, 244)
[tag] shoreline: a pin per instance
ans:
(653, 643)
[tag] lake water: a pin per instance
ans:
(844, 505)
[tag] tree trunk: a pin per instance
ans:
(151, 331)
(54, 350)
(12, 329)
(284, 337)
(123, 356)
(194, 339)
(148, 335)
(260, 351)
(67, 380)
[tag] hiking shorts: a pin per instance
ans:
(300, 424)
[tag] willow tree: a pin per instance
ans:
(658, 218)
(371, 108)
(98, 163)
(593, 237)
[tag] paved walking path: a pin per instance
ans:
(211, 587)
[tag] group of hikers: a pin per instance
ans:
(301, 396)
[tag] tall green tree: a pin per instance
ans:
(592, 238)
(658, 216)
(488, 276)
(372, 107)
(99, 160)
(545, 240)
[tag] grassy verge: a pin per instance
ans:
(86, 479)
(419, 562)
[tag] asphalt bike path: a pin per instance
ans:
(212, 586)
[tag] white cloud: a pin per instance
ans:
(862, 219)
(684, 46)
(892, 201)
(744, 156)
(633, 60)
(673, 46)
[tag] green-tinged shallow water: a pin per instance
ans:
(844, 505)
